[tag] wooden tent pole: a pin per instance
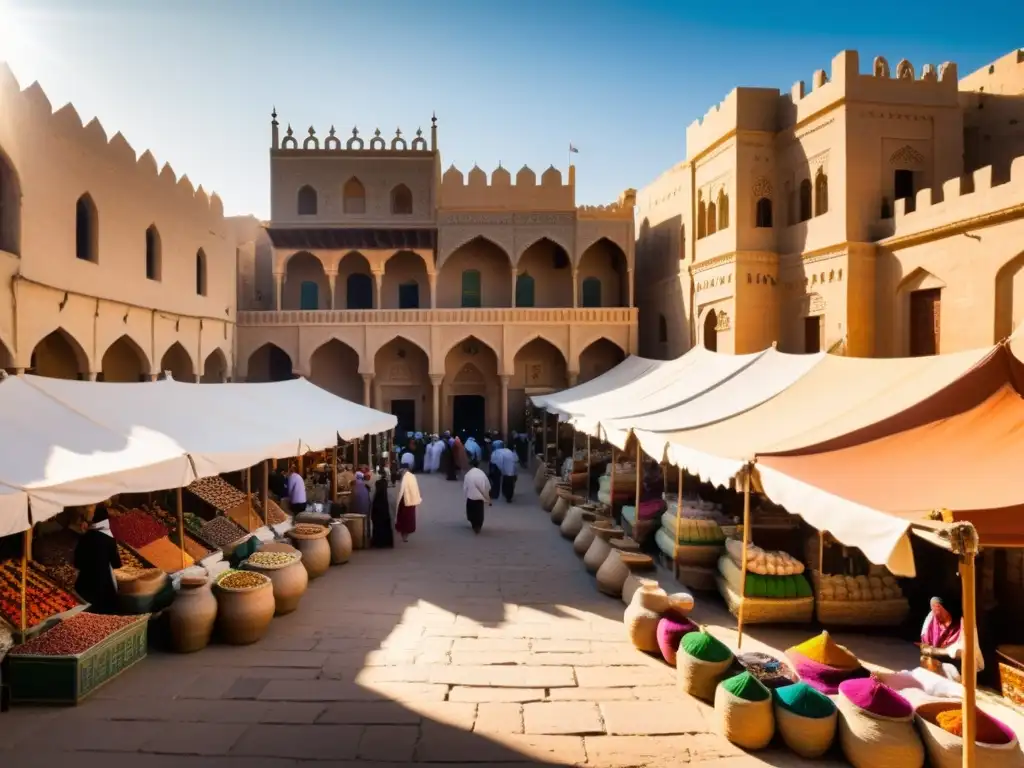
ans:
(679, 524)
(746, 544)
(248, 498)
(966, 541)
(588, 467)
(265, 490)
(181, 525)
(611, 482)
(636, 492)
(26, 546)
(334, 474)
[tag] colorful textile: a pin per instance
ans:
(821, 676)
(876, 698)
(747, 687)
(803, 700)
(704, 647)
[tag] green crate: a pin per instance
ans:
(68, 680)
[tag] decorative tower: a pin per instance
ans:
(433, 132)
(275, 139)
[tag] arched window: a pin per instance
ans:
(710, 334)
(662, 329)
(409, 295)
(471, 288)
(401, 200)
(309, 295)
(524, 290)
(702, 214)
(805, 200)
(763, 213)
(820, 193)
(723, 210)
(712, 218)
(359, 291)
(591, 292)
(86, 229)
(10, 208)
(307, 201)
(201, 272)
(152, 253)
(354, 196)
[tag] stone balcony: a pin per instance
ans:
(474, 316)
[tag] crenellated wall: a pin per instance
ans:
(473, 192)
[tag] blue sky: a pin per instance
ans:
(194, 80)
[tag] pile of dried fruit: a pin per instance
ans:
(221, 531)
(74, 635)
(62, 575)
(272, 559)
(43, 599)
(308, 529)
(166, 556)
(217, 492)
(137, 528)
(274, 515)
(128, 558)
(242, 580)
(55, 549)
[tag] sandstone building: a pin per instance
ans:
(443, 298)
(879, 212)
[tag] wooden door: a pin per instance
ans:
(812, 335)
(925, 315)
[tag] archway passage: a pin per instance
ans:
(178, 363)
(1009, 297)
(6, 358)
(539, 368)
(471, 391)
(269, 363)
(490, 287)
(710, 333)
(59, 356)
(546, 264)
(124, 361)
(405, 284)
(402, 385)
(603, 275)
(354, 286)
(334, 366)
(305, 285)
(215, 369)
(599, 357)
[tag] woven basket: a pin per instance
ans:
(869, 741)
(863, 613)
(146, 582)
(747, 724)
(600, 547)
(583, 539)
(540, 477)
(1011, 672)
(945, 750)
(809, 737)
(757, 610)
(611, 576)
(697, 578)
(700, 678)
(633, 583)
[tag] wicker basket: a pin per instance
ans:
(809, 737)
(870, 741)
(864, 613)
(697, 578)
(747, 724)
(945, 750)
(549, 495)
(1011, 672)
(757, 610)
(700, 678)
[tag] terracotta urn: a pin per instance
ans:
(642, 616)
(244, 615)
(316, 552)
(560, 510)
(340, 541)
(612, 574)
(356, 525)
(192, 615)
(288, 582)
(634, 582)
(585, 538)
(549, 495)
(540, 477)
(573, 523)
(599, 547)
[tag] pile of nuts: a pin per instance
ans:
(217, 492)
(129, 560)
(221, 531)
(74, 635)
(307, 529)
(242, 580)
(271, 559)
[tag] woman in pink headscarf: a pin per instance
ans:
(942, 642)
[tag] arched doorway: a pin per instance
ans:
(599, 357)
(405, 284)
(178, 363)
(355, 285)
(471, 390)
(544, 267)
(269, 363)
(124, 361)
(305, 285)
(402, 385)
(1009, 297)
(710, 331)
(215, 369)
(59, 356)
(604, 275)
(490, 286)
(539, 368)
(334, 366)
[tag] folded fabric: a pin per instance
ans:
(803, 700)
(875, 698)
(649, 509)
(822, 677)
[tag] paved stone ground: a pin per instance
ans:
(453, 648)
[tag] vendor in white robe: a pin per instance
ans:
(942, 642)
(409, 461)
(433, 460)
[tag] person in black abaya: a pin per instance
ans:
(96, 557)
(382, 535)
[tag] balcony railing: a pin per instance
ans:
(482, 316)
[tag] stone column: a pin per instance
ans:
(19, 371)
(332, 279)
(505, 379)
(435, 381)
(432, 280)
(515, 277)
(378, 280)
(90, 376)
(367, 389)
(575, 288)
(154, 376)
(631, 288)
(278, 289)
(574, 377)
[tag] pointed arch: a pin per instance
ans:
(215, 368)
(401, 200)
(201, 286)
(1009, 297)
(820, 192)
(471, 337)
(178, 362)
(307, 201)
(544, 275)
(353, 196)
(539, 336)
(712, 218)
(702, 218)
(59, 355)
(723, 210)
(10, 207)
(494, 267)
(539, 362)
(806, 208)
(763, 213)
(334, 366)
(125, 361)
(599, 356)
(154, 254)
(269, 363)
(87, 245)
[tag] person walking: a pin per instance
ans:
(296, 489)
(381, 533)
(507, 463)
(477, 488)
(407, 500)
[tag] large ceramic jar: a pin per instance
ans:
(244, 611)
(287, 576)
(356, 525)
(599, 547)
(585, 537)
(572, 524)
(540, 477)
(642, 616)
(192, 615)
(311, 541)
(340, 541)
(549, 495)
(560, 510)
(612, 574)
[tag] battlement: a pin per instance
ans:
(1003, 77)
(475, 191)
(92, 137)
(354, 144)
(623, 208)
(963, 199)
(743, 109)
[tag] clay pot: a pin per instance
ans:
(540, 477)
(243, 616)
(316, 552)
(559, 511)
(340, 541)
(612, 574)
(642, 616)
(549, 495)
(192, 615)
(572, 524)
(633, 583)
(288, 584)
(584, 538)
(356, 525)
(600, 548)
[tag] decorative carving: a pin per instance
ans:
(355, 142)
(534, 373)
(289, 142)
(762, 188)
(400, 372)
(419, 144)
(904, 70)
(377, 143)
(311, 141)
(812, 304)
(881, 67)
(398, 142)
(543, 219)
(928, 73)
(475, 219)
(723, 323)
(907, 157)
(332, 142)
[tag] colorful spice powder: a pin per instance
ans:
(747, 687)
(988, 730)
(803, 700)
(824, 650)
(704, 647)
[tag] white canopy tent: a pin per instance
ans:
(629, 370)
